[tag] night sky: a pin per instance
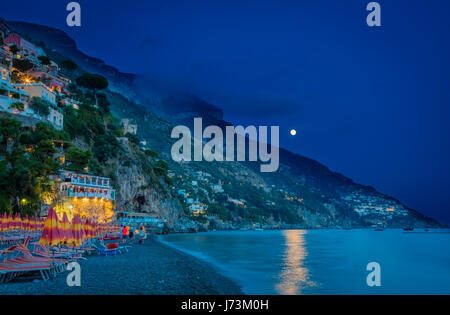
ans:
(371, 103)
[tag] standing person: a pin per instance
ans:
(124, 234)
(142, 235)
(131, 235)
(128, 231)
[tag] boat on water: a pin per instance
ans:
(408, 228)
(380, 229)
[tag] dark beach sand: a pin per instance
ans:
(152, 268)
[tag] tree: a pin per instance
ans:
(19, 106)
(40, 106)
(24, 173)
(14, 49)
(132, 138)
(69, 64)
(79, 158)
(161, 167)
(94, 82)
(152, 153)
(103, 102)
(9, 129)
(45, 61)
(106, 146)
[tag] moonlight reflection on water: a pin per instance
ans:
(294, 275)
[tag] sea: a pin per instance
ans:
(305, 262)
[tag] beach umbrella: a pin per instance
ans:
(66, 227)
(41, 224)
(17, 222)
(76, 237)
(9, 222)
(33, 224)
(52, 233)
(95, 229)
(3, 219)
(26, 224)
(87, 227)
(38, 225)
(92, 229)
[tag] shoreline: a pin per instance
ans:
(152, 268)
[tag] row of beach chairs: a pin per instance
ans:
(14, 238)
(19, 261)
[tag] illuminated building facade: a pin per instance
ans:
(88, 195)
(198, 208)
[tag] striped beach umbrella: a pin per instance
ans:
(95, 229)
(33, 224)
(52, 233)
(9, 222)
(76, 239)
(66, 227)
(17, 222)
(3, 219)
(41, 224)
(26, 224)
(87, 229)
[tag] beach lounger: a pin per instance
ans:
(22, 262)
(109, 249)
(11, 268)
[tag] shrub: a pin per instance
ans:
(161, 167)
(152, 153)
(132, 138)
(19, 106)
(44, 60)
(79, 158)
(68, 64)
(40, 106)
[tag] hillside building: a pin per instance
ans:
(129, 126)
(37, 90)
(85, 194)
(197, 208)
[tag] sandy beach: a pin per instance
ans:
(152, 268)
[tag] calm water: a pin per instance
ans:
(325, 261)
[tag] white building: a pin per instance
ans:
(56, 118)
(8, 93)
(198, 208)
(37, 90)
(218, 188)
(128, 126)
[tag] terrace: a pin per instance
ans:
(81, 192)
(84, 179)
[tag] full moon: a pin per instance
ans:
(293, 132)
